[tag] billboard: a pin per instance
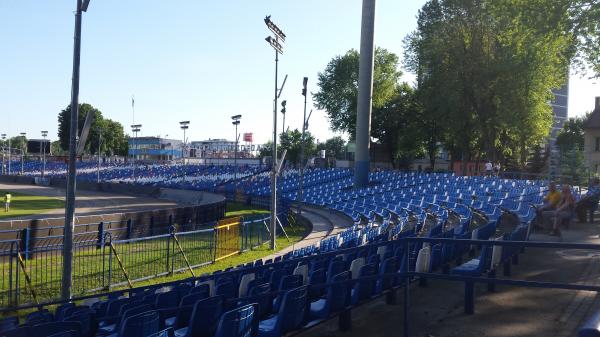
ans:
(248, 137)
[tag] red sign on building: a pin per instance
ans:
(248, 137)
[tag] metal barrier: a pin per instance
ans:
(104, 260)
(490, 277)
(227, 235)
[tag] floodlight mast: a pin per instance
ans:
(184, 126)
(274, 42)
(66, 283)
(23, 144)
(44, 134)
(235, 121)
(304, 126)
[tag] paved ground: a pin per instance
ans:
(437, 311)
(324, 223)
(89, 202)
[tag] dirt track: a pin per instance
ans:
(88, 202)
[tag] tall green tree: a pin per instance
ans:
(334, 147)
(398, 126)
(487, 68)
(571, 137)
(338, 88)
(291, 141)
(113, 140)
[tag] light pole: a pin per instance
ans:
(274, 42)
(99, 147)
(3, 153)
(304, 127)
(283, 111)
(236, 122)
(184, 125)
(23, 138)
(66, 283)
(44, 134)
(135, 128)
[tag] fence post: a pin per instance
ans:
(25, 241)
(172, 230)
(129, 223)
(109, 259)
(100, 235)
(216, 242)
(168, 254)
(11, 300)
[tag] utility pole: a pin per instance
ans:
(304, 127)
(44, 134)
(235, 121)
(70, 197)
(274, 42)
(365, 91)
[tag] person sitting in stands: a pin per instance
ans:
(564, 209)
(589, 202)
(551, 200)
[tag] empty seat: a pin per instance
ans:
(238, 322)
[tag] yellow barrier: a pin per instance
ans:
(228, 237)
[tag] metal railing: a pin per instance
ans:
(31, 274)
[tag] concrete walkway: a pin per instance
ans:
(324, 223)
(437, 311)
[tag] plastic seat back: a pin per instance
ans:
(293, 309)
(238, 322)
(261, 296)
(205, 316)
(141, 325)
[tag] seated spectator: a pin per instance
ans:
(551, 200)
(564, 210)
(589, 202)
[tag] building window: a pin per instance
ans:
(597, 144)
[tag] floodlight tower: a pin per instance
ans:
(235, 121)
(4, 153)
(276, 45)
(99, 147)
(43, 149)
(184, 125)
(135, 128)
(82, 6)
(23, 144)
(304, 127)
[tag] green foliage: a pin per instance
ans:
(113, 140)
(538, 161)
(486, 69)
(334, 147)
(18, 142)
(398, 126)
(571, 137)
(573, 164)
(291, 141)
(338, 87)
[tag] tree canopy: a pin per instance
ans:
(338, 87)
(487, 69)
(113, 142)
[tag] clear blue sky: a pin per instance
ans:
(194, 60)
